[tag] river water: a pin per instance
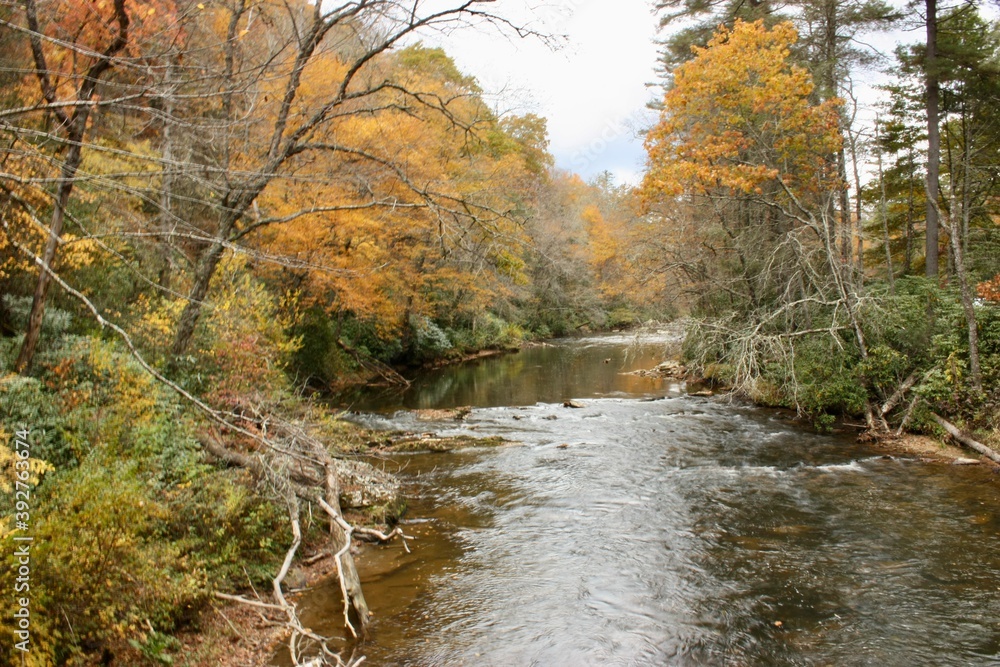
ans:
(650, 527)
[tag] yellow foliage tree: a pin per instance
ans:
(741, 157)
(740, 115)
(418, 216)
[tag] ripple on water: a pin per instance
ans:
(686, 532)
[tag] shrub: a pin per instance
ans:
(100, 570)
(428, 340)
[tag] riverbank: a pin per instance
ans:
(233, 634)
(562, 441)
(924, 447)
(777, 523)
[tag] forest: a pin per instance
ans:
(215, 213)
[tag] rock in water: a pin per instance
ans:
(456, 414)
(668, 369)
(364, 486)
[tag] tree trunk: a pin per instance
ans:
(166, 223)
(908, 257)
(844, 204)
(34, 330)
(76, 129)
(957, 217)
(199, 290)
(954, 432)
(859, 232)
(351, 580)
(933, 93)
(884, 212)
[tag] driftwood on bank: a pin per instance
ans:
(302, 469)
(975, 445)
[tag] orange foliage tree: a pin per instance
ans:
(990, 289)
(307, 99)
(416, 213)
(741, 158)
(740, 116)
(743, 176)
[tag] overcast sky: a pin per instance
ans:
(593, 89)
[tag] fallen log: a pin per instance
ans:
(350, 581)
(907, 415)
(899, 393)
(975, 445)
(374, 366)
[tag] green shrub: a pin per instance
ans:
(26, 405)
(319, 359)
(490, 331)
(428, 340)
(101, 572)
(366, 338)
(225, 528)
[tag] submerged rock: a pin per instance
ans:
(966, 462)
(432, 442)
(668, 369)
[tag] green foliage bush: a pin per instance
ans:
(224, 527)
(918, 328)
(54, 321)
(822, 381)
(25, 404)
(427, 340)
(490, 331)
(319, 360)
(365, 337)
(133, 529)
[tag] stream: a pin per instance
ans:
(650, 527)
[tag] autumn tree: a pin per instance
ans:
(832, 47)
(743, 146)
(741, 141)
(293, 102)
(395, 264)
(68, 77)
(579, 262)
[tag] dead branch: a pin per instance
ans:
(386, 537)
(374, 365)
(350, 581)
(252, 603)
(907, 415)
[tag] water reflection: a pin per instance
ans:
(563, 369)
